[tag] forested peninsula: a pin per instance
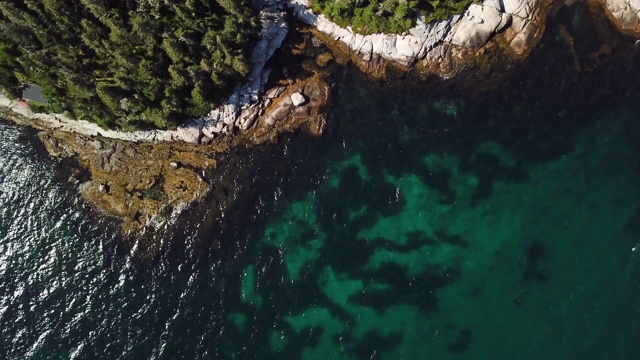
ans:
(155, 64)
(127, 64)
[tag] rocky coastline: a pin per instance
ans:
(147, 178)
(433, 46)
(147, 184)
(442, 48)
(625, 14)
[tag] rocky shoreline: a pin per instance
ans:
(442, 48)
(472, 29)
(430, 43)
(625, 15)
(147, 178)
(429, 46)
(148, 184)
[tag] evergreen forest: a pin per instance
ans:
(128, 64)
(388, 16)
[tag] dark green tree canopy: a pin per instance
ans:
(128, 64)
(389, 16)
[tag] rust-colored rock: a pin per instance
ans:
(149, 184)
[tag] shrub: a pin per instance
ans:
(389, 16)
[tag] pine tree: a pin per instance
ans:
(127, 63)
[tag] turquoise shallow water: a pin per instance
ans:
(384, 264)
(429, 223)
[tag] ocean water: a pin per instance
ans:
(431, 222)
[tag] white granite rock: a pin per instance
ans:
(210, 130)
(477, 25)
(248, 117)
(524, 31)
(163, 136)
(298, 99)
(187, 134)
(521, 8)
(473, 29)
(496, 4)
(228, 114)
(626, 13)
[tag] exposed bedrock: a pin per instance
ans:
(434, 46)
(432, 42)
(148, 184)
(437, 45)
(625, 15)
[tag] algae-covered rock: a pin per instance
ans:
(147, 184)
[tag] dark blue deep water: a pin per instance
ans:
(499, 219)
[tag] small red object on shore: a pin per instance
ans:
(23, 103)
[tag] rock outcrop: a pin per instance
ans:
(134, 182)
(303, 99)
(478, 25)
(427, 42)
(625, 14)
(431, 42)
(298, 99)
(432, 45)
(148, 177)
(147, 184)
